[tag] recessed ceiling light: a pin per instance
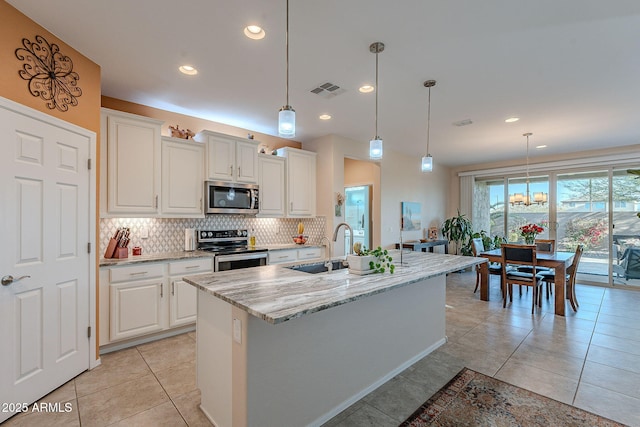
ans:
(512, 119)
(366, 89)
(188, 70)
(541, 146)
(325, 117)
(254, 32)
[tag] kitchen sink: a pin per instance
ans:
(318, 267)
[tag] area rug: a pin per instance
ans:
(474, 399)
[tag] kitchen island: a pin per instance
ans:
(279, 347)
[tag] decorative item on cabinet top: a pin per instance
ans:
(176, 132)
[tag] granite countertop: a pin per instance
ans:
(276, 294)
(176, 256)
(165, 256)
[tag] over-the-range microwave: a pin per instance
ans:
(231, 198)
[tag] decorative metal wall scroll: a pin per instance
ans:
(49, 73)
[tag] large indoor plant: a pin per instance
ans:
(457, 229)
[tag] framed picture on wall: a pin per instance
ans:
(411, 214)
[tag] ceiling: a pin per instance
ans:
(569, 69)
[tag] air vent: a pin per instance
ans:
(461, 123)
(328, 90)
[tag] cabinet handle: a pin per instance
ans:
(283, 257)
(156, 201)
(191, 266)
(139, 273)
(238, 171)
(291, 204)
(231, 170)
(173, 289)
(161, 290)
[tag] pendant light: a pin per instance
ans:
(287, 115)
(375, 145)
(427, 160)
(525, 199)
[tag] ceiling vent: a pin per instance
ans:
(328, 90)
(461, 123)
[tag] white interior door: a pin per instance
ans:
(45, 226)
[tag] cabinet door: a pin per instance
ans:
(183, 303)
(246, 162)
(271, 171)
(221, 154)
(182, 178)
(133, 165)
(136, 308)
(301, 183)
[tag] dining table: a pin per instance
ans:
(558, 261)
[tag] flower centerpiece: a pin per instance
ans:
(529, 232)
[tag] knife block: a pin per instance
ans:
(113, 251)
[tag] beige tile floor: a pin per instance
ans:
(589, 359)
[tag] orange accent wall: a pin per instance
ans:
(16, 26)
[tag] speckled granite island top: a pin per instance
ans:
(277, 294)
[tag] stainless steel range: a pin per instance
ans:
(231, 249)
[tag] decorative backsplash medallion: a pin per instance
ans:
(167, 234)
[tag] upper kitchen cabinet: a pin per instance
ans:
(301, 182)
(132, 155)
(271, 172)
(229, 158)
(182, 177)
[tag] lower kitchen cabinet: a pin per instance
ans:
(147, 298)
(280, 256)
(136, 308)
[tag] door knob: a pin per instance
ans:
(7, 280)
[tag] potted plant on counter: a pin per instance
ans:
(366, 261)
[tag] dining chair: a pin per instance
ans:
(495, 268)
(520, 255)
(542, 245)
(572, 272)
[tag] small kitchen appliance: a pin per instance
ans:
(190, 239)
(231, 198)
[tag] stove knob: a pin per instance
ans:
(244, 233)
(210, 234)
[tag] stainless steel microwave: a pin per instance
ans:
(231, 198)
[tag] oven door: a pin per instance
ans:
(236, 261)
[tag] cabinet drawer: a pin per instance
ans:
(309, 253)
(136, 272)
(276, 257)
(197, 265)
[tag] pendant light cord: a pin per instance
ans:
(286, 38)
(377, 95)
(428, 119)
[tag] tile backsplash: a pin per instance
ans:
(167, 234)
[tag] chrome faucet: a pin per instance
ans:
(327, 262)
(348, 227)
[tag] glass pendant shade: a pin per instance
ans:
(375, 148)
(287, 122)
(427, 163)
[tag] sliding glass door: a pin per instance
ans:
(625, 248)
(582, 218)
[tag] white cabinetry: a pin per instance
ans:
(183, 299)
(301, 182)
(147, 298)
(280, 256)
(136, 300)
(229, 158)
(182, 177)
(132, 153)
(271, 180)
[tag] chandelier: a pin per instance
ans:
(539, 198)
